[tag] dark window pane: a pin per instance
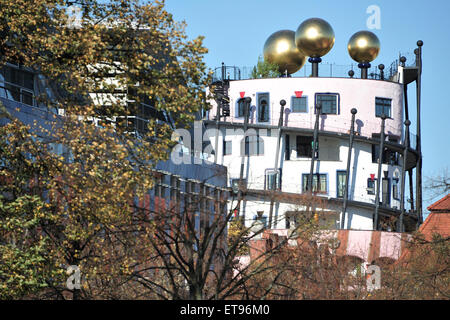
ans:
(28, 80)
(263, 107)
(241, 106)
(13, 92)
(27, 98)
(304, 148)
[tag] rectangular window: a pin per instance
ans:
(287, 148)
(241, 108)
(227, 145)
(272, 179)
(371, 186)
(19, 85)
(383, 105)
(341, 178)
(395, 190)
(304, 147)
(263, 107)
(386, 191)
(299, 104)
(389, 156)
(175, 188)
(329, 103)
(319, 182)
(253, 146)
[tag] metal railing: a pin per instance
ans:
(326, 69)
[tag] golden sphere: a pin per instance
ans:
(363, 46)
(314, 37)
(280, 49)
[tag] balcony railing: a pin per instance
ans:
(326, 69)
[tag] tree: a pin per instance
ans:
(115, 57)
(264, 69)
(438, 185)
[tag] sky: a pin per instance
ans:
(235, 32)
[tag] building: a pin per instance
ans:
(270, 135)
(18, 88)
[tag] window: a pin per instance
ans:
(341, 178)
(386, 191)
(383, 105)
(254, 146)
(319, 182)
(160, 190)
(329, 102)
(389, 156)
(287, 148)
(227, 147)
(241, 108)
(304, 147)
(299, 104)
(371, 186)
(395, 189)
(272, 179)
(263, 107)
(175, 188)
(18, 85)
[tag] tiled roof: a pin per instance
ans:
(441, 205)
(438, 221)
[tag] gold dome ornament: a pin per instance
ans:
(363, 46)
(314, 37)
(281, 50)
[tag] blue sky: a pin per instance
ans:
(235, 32)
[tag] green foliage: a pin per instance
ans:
(78, 207)
(264, 69)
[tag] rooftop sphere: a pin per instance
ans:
(280, 49)
(314, 37)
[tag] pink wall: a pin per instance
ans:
(353, 93)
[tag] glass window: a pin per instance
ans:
(304, 147)
(371, 186)
(395, 190)
(299, 104)
(383, 105)
(241, 106)
(341, 178)
(263, 107)
(272, 179)
(254, 146)
(227, 147)
(319, 182)
(329, 103)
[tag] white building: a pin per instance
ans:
(276, 179)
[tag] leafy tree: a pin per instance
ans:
(264, 69)
(103, 65)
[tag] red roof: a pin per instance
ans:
(438, 221)
(441, 205)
